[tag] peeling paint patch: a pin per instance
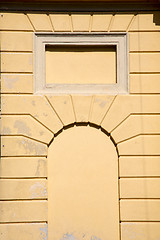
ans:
(38, 190)
(95, 238)
(32, 147)
(68, 236)
(30, 60)
(102, 104)
(22, 127)
(6, 130)
(33, 103)
(130, 233)
(41, 167)
(44, 233)
(45, 114)
(9, 82)
(41, 133)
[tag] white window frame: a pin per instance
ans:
(120, 40)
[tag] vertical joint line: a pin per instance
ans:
(31, 23)
(54, 110)
(73, 108)
(50, 20)
(91, 108)
(130, 23)
(90, 22)
(71, 22)
(108, 109)
(111, 22)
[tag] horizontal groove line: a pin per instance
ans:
(145, 113)
(147, 73)
(16, 53)
(21, 135)
(131, 115)
(23, 178)
(23, 156)
(16, 93)
(140, 221)
(26, 200)
(144, 73)
(147, 155)
(53, 109)
(17, 72)
(8, 51)
(14, 30)
(10, 114)
(139, 31)
(23, 200)
(137, 93)
(138, 135)
(34, 157)
(122, 121)
(28, 114)
(139, 177)
(23, 222)
(139, 199)
(32, 31)
(141, 52)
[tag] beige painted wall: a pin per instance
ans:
(30, 122)
(83, 186)
(81, 65)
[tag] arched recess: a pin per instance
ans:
(83, 198)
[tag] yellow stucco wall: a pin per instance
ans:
(29, 123)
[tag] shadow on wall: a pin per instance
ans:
(156, 18)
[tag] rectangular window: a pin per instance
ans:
(81, 63)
